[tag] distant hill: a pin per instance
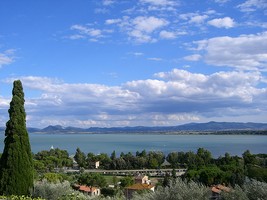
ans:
(222, 126)
(194, 127)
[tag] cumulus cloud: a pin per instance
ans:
(142, 29)
(246, 52)
(7, 57)
(198, 19)
(169, 98)
(148, 24)
(225, 22)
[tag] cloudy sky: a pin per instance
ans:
(106, 63)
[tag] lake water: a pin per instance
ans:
(106, 143)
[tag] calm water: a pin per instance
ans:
(106, 143)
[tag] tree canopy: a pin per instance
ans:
(16, 164)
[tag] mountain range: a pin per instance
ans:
(209, 126)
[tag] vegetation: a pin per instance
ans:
(16, 164)
(15, 197)
(92, 179)
(55, 191)
(246, 175)
(45, 161)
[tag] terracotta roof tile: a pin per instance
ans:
(85, 188)
(140, 186)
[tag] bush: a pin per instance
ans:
(14, 197)
(255, 190)
(178, 190)
(52, 191)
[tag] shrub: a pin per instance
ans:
(14, 197)
(51, 191)
(178, 190)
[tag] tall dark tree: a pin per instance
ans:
(16, 164)
(80, 158)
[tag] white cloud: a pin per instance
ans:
(112, 21)
(194, 57)
(7, 57)
(88, 32)
(246, 52)
(167, 34)
(76, 37)
(225, 22)
(221, 1)
(137, 53)
(170, 97)
(160, 2)
(160, 5)
(252, 5)
(108, 2)
(155, 59)
(198, 19)
(148, 24)
(142, 29)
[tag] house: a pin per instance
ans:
(217, 190)
(141, 179)
(137, 187)
(141, 183)
(92, 191)
(97, 164)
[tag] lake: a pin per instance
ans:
(106, 143)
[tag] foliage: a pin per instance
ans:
(92, 179)
(126, 181)
(16, 164)
(257, 172)
(52, 191)
(178, 190)
(251, 190)
(227, 169)
(255, 165)
(80, 158)
(53, 177)
(14, 197)
(51, 160)
(255, 190)
(108, 192)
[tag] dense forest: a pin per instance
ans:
(201, 166)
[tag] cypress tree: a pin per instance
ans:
(16, 164)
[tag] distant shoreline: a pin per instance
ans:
(231, 132)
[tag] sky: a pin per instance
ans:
(113, 63)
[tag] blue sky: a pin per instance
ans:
(110, 63)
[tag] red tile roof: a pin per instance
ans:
(219, 188)
(85, 188)
(216, 190)
(140, 186)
